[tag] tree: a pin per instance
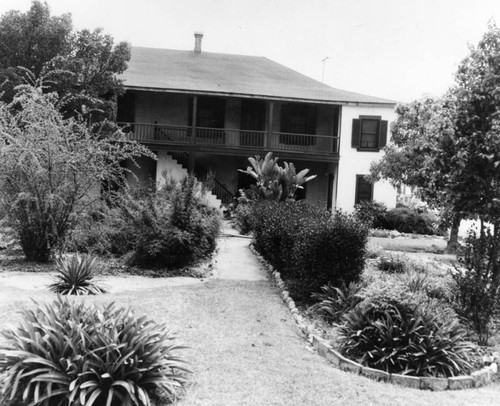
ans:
(82, 66)
(450, 148)
(51, 168)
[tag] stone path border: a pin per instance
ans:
(476, 379)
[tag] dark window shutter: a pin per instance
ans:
(356, 129)
(383, 134)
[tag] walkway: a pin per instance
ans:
(235, 261)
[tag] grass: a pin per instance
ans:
(247, 350)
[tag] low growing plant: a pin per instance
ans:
(75, 276)
(67, 353)
(334, 302)
(405, 341)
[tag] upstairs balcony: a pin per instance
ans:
(225, 140)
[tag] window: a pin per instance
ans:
(364, 190)
(369, 133)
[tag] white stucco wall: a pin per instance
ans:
(353, 162)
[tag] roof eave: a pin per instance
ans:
(262, 96)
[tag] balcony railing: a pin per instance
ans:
(232, 138)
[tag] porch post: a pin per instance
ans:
(193, 136)
(270, 125)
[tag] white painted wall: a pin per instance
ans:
(353, 162)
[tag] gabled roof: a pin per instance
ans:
(235, 75)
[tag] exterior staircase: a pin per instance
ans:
(174, 164)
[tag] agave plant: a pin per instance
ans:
(75, 276)
(69, 353)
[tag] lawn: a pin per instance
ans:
(247, 350)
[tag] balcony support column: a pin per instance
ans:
(192, 154)
(270, 125)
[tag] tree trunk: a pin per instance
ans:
(452, 246)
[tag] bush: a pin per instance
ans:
(75, 276)
(477, 293)
(372, 213)
(244, 217)
(67, 353)
(309, 246)
(407, 220)
(401, 219)
(168, 228)
(174, 227)
(401, 340)
(392, 263)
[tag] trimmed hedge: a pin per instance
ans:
(309, 246)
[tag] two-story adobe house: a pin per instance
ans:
(209, 112)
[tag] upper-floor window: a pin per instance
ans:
(369, 133)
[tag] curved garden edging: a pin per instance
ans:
(479, 378)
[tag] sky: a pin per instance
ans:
(395, 49)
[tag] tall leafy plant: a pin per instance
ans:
(273, 182)
(477, 293)
(51, 168)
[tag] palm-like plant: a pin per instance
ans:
(75, 276)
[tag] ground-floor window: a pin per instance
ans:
(364, 190)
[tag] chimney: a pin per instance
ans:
(197, 42)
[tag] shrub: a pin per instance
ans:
(174, 227)
(330, 250)
(477, 293)
(334, 302)
(244, 217)
(372, 213)
(67, 353)
(167, 228)
(75, 275)
(309, 246)
(392, 263)
(407, 220)
(400, 340)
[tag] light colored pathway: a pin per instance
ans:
(235, 260)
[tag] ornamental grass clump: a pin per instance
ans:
(75, 276)
(68, 353)
(401, 340)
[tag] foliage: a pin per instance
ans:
(309, 245)
(372, 213)
(243, 217)
(82, 66)
(392, 263)
(406, 220)
(401, 219)
(450, 148)
(75, 275)
(167, 228)
(477, 293)
(49, 167)
(174, 226)
(272, 181)
(333, 302)
(399, 340)
(68, 353)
